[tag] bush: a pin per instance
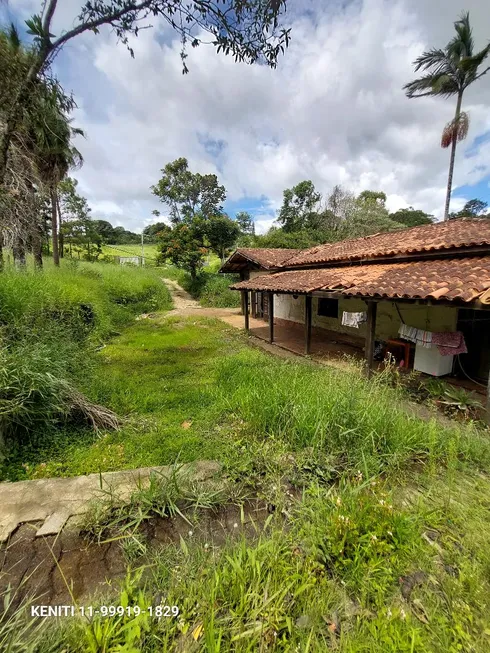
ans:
(216, 291)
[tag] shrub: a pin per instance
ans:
(216, 291)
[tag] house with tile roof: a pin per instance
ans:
(361, 294)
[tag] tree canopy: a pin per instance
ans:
(474, 208)
(308, 219)
(249, 31)
(188, 194)
(411, 217)
(300, 207)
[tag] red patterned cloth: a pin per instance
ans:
(449, 343)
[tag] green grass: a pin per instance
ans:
(352, 570)
(51, 324)
(182, 388)
(159, 377)
(376, 539)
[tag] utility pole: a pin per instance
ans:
(142, 250)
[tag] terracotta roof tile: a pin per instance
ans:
(462, 279)
(433, 237)
(265, 258)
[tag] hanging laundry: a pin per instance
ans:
(417, 336)
(408, 333)
(449, 343)
(424, 338)
(353, 319)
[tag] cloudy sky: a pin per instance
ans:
(333, 111)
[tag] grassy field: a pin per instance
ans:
(376, 538)
(159, 377)
(131, 250)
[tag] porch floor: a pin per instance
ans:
(292, 338)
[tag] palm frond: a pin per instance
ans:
(444, 85)
(14, 38)
(456, 130)
(464, 35)
(435, 60)
(74, 158)
(469, 65)
(452, 69)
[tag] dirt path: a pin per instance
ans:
(186, 306)
(181, 298)
(57, 568)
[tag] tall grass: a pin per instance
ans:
(364, 424)
(51, 322)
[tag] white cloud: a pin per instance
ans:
(333, 111)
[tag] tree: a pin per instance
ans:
(245, 223)
(473, 208)
(280, 239)
(221, 233)
(182, 245)
(340, 203)
(247, 30)
(54, 154)
(368, 216)
(82, 236)
(411, 217)
(375, 196)
(151, 231)
(104, 230)
(125, 237)
(449, 73)
(19, 199)
(299, 208)
(71, 206)
(188, 194)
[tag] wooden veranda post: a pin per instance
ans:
(308, 315)
(243, 277)
(271, 317)
(370, 336)
(245, 308)
(488, 399)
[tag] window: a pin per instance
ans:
(328, 307)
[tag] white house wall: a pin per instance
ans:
(422, 316)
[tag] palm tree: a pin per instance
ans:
(15, 211)
(51, 134)
(449, 72)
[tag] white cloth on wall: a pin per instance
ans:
(353, 319)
